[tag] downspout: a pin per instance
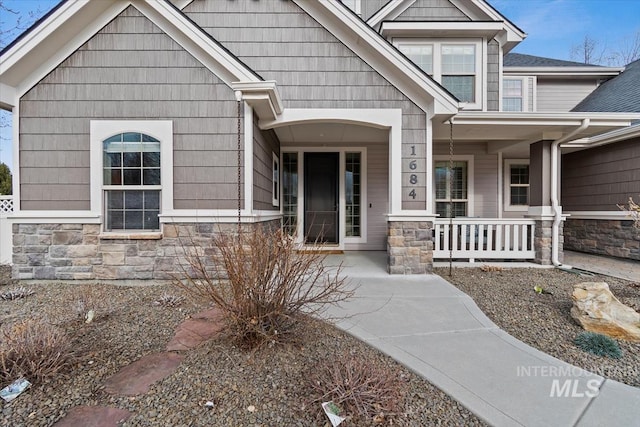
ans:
(555, 203)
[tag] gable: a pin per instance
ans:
(129, 70)
(432, 10)
(281, 42)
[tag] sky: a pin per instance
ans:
(553, 27)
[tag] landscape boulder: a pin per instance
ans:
(598, 310)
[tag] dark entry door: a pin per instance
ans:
(321, 197)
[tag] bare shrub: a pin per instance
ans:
(633, 209)
(362, 388)
(17, 293)
(262, 282)
(33, 349)
(169, 300)
(91, 302)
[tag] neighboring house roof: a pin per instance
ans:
(620, 94)
(522, 60)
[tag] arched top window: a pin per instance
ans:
(131, 159)
(131, 181)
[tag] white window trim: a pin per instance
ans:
(342, 216)
(508, 207)
(276, 173)
(525, 92)
(470, 180)
(480, 72)
(159, 129)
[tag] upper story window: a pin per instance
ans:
(131, 182)
(512, 95)
(459, 70)
(455, 65)
(516, 94)
(354, 5)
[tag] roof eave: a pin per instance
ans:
(560, 71)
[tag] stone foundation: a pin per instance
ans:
(80, 252)
(542, 241)
(616, 238)
(410, 247)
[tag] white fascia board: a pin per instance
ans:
(53, 40)
(56, 38)
(195, 41)
(564, 71)
(545, 118)
(7, 97)
(441, 29)
(390, 11)
(381, 56)
(514, 34)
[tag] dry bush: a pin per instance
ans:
(169, 300)
(91, 299)
(633, 209)
(262, 282)
(17, 293)
(32, 349)
(363, 389)
(491, 268)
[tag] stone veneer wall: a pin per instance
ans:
(79, 252)
(542, 242)
(615, 238)
(410, 247)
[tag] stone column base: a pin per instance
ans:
(410, 247)
(542, 241)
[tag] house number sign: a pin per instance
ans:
(414, 174)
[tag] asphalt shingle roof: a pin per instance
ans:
(620, 94)
(522, 60)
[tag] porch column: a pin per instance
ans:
(540, 208)
(410, 245)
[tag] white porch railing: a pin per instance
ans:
(484, 238)
(6, 240)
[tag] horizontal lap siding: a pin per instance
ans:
(130, 70)
(432, 10)
(485, 176)
(265, 143)
(312, 68)
(600, 178)
(560, 95)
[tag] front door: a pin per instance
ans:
(321, 197)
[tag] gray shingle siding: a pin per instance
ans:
(129, 70)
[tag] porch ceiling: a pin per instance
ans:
(324, 133)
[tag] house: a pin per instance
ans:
(366, 124)
(604, 171)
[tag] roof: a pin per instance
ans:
(523, 60)
(621, 93)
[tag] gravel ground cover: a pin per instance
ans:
(543, 320)
(270, 381)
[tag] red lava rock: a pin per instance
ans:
(94, 416)
(137, 377)
(193, 332)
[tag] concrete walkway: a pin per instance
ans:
(614, 267)
(439, 332)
